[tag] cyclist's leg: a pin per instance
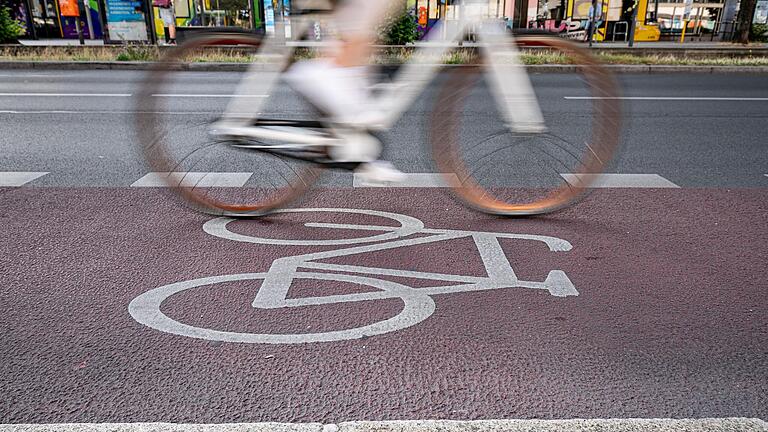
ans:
(343, 94)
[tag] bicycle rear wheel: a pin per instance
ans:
(175, 110)
(499, 171)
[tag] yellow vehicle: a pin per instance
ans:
(615, 16)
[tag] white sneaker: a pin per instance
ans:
(379, 173)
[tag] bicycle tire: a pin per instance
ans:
(445, 139)
(162, 157)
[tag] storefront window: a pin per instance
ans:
(761, 12)
(650, 14)
(433, 10)
(702, 20)
(581, 9)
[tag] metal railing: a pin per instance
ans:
(625, 31)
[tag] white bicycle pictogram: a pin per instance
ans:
(418, 304)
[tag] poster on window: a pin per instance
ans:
(270, 7)
(761, 12)
(581, 9)
(125, 20)
(68, 8)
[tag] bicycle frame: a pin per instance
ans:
(509, 82)
(417, 303)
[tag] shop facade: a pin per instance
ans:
(143, 20)
(108, 20)
(655, 20)
(123, 21)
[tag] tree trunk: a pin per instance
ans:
(746, 14)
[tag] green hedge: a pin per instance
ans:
(400, 30)
(10, 29)
(759, 33)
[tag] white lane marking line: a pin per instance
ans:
(127, 112)
(196, 179)
(668, 98)
(567, 425)
(171, 95)
(421, 180)
(620, 180)
(25, 76)
(18, 178)
(164, 427)
(65, 94)
(109, 112)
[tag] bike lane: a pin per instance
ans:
(669, 320)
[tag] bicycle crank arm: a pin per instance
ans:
(262, 146)
(305, 137)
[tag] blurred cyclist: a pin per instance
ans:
(337, 84)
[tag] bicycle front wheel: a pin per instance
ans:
(497, 170)
(176, 108)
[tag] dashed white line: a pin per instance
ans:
(18, 178)
(159, 95)
(620, 180)
(26, 75)
(170, 95)
(16, 112)
(193, 179)
(65, 94)
(417, 180)
(668, 98)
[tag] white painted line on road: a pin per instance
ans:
(163, 427)
(620, 180)
(668, 98)
(18, 178)
(123, 112)
(193, 179)
(110, 112)
(741, 424)
(417, 180)
(169, 95)
(26, 75)
(65, 94)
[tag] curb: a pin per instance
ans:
(115, 65)
(268, 67)
(576, 425)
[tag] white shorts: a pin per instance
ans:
(166, 14)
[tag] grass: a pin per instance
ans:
(138, 53)
(57, 54)
(387, 56)
(672, 60)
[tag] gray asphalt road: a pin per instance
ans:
(694, 130)
(119, 305)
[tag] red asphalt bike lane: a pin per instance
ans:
(670, 320)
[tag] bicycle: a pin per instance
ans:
(403, 231)
(554, 167)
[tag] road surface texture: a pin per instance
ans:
(120, 306)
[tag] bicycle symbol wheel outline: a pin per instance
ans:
(418, 304)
